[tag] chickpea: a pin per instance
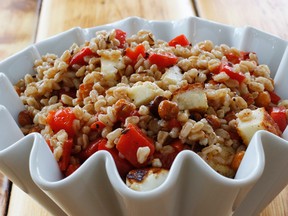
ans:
(237, 160)
(263, 99)
(124, 109)
(24, 118)
(214, 121)
(168, 110)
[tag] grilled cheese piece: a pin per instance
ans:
(251, 121)
(172, 76)
(191, 97)
(141, 93)
(146, 179)
(110, 62)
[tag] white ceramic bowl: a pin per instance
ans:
(192, 187)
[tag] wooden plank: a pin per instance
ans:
(18, 27)
(57, 16)
(4, 194)
(22, 204)
(269, 16)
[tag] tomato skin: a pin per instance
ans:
(98, 125)
(167, 159)
(173, 123)
(163, 60)
(245, 55)
(91, 149)
(62, 119)
(49, 145)
(274, 97)
(78, 58)
(278, 114)
(65, 158)
(233, 75)
(227, 67)
(123, 166)
(134, 53)
(131, 139)
(233, 58)
(84, 90)
(121, 37)
(179, 40)
(71, 168)
(177, 145)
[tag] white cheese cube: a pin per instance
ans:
(191, 97)
(141, 93)
(172, 76)
(251, 121)
(110, 61)
(146, 179)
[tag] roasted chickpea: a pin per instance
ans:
(24, 118)
(237, 160)
(124, 109)
(168, 110)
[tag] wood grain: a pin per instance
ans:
(23, 205)
(269, 16)
(18, 25)
(58, 16)
(4, 194)
(18, 28)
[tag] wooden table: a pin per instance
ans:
(26, 21)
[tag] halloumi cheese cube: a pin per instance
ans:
(251, 121)
(191, 97)
(141, 93)
(146, 179)
(172, 76)
(110, 61)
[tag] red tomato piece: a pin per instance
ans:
(71, 168)
(98, 125)
(180, 40)
(167, 158)
(234, 75)
(62, 119)
(163, 60)
(228, 69)
(123, 166)
(130, 141)
(274, 97)
(133, 54)
(84, 90)
(233, 58)
(91, 149)
(78, 58)
(177, 145)
(173, 123)
(121, 37)
(245, 55)
(65, 158)
(278, 114)
(49, 145)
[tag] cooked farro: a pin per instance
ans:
(182, 97)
